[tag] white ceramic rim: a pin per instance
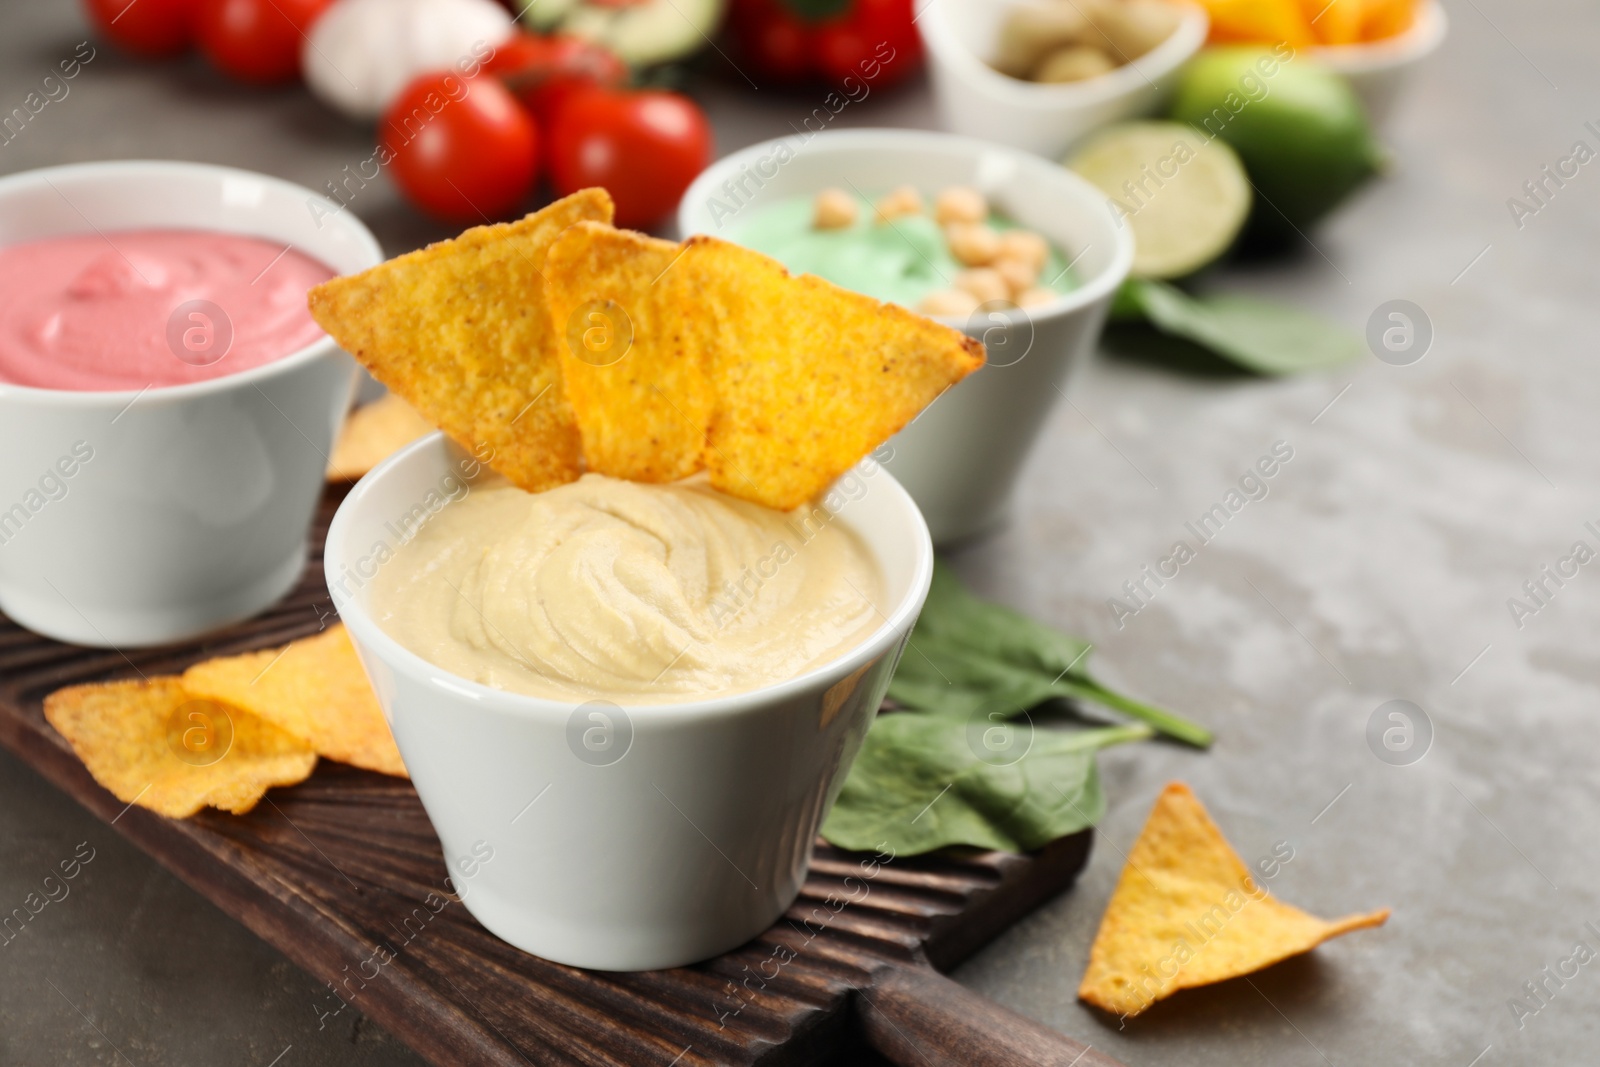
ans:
(252, 376)
(1163, 59)
(891, 142)
(1424, 36)
(354, 614)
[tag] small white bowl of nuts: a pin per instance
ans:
(1041, 74)
(1010, 248)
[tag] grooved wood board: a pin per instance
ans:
(346, 864)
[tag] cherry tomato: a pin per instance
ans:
(870, 41)
(151, 28)
(774, 39)
(875, 35)
(544, 72)
(461, 149)
(519, 52)
(255, 40)
(644, 147)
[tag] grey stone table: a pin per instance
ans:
(1379, 567)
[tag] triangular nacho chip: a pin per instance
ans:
(461, 330)
(632, 357)
(371, 434)
(709, 354)
(809, 377)
(1187, 913)
(155, 744)
(313, 689)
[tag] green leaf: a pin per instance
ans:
(1126, 303)
(920, 784)
(968, 656)
(1264, 337)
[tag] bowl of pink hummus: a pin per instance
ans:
(167, 405)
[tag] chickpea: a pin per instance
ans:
(985, 284)
(973, 244)
(1029, 33)
(949, 304)
(1018, 275)
(905, 200)
(960, 203)
(1025, 245)
(1038, 296)
(1134, 27)
(1075, 63)
(835, 210)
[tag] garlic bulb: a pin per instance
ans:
(361, 53)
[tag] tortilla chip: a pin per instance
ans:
(372, 434)
(315, 690)
(809, 377)
(635, 371)
(1186, 913)
(461, 330)
(156, 744)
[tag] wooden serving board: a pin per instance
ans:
(339, 872)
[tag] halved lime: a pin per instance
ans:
(1184, 195)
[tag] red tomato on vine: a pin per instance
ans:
(544, 72)
(643, 147)
(150, 28)
(255, 40)
(461, 149)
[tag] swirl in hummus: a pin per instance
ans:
(637, 593)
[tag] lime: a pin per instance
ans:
(1298, 127)
(1184, 196)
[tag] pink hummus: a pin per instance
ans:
(147, 308)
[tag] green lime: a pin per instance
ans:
(1184, 196)
(1298, 127)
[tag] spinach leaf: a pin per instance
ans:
(968, 656)
(1263, 337)
(924, 782)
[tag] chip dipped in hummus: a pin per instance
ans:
(663, 419)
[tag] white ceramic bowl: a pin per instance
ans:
(979, 101)
(672, 832)
(960, 459)
(1381, 71)
(194, 508)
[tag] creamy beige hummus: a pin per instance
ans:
(634, 593)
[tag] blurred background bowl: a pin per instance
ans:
(977, 100)
(1381, 72)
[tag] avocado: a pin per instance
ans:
(641, 32)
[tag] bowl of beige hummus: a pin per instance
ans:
(626, 707)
